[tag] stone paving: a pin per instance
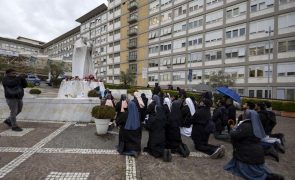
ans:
(72, 151)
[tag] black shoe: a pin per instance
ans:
(16, 128)
(279, 147)
(7, 122)
(274, 176)
(273, 153)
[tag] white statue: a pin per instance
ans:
(82, 64)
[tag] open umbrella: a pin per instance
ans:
(229, 92)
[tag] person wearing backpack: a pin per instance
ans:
(14, 92)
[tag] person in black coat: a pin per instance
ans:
(220, 119)
(248, 154)
(172, 129)
(157, 89)
(130, 131)
(121, 106)
(231, 112)
(156, 126)
(199, 135)
(264, 118)
(14, 92)
(143, 110)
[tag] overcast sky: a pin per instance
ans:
(42, 20)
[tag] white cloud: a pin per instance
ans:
(42, 20)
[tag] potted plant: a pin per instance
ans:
(92, 93)
(102, 116)
(35, 92)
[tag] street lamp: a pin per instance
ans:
(268, 74)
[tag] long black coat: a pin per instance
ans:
(156, 127)
(129, 140)
(172, 131)
(219, 118)
(265, 121)
(246, 146)
(199, 121)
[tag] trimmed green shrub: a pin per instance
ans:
(197, 96)
(92, 93)
(30, 85)
(103, 112)
(131, 90)
(277, 105)
(35, 91)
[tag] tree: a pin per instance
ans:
(220, 78)
(127, 78)
(56, 69)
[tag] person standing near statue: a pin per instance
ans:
(14, 92)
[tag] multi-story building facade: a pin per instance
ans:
(251, 40)
(20, 46)
(161, 40)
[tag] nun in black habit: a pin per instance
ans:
(172, 130)
(156, 126)
(130, 131)
(248, 155)
(200, 136)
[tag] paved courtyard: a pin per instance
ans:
(47, 150)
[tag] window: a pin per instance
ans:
(194, 5)
(154, 6)
(214, 17)
(212, 2)
(261, 48)
(236, 72)
(286, 20)
(153, 34)
(166, 16)
(290, 94)
(154, 20)
(213, 55)
(213, 36)
(261, 26)
(165, 3)
(235, 11)
(235, 52)
(153, 77)
(195, 23)
(178, 76)
(180, 27)
(165, 76)
(166, 31)
(258, 5)
(165, 46)
(251, 93)
(260, 71)
(133, 68)
(179, 43)
(195, 57)
(235, 32)
(177, 60)
(153, 49)
(153, 63)
(195, 40)
(285, 1)
(181, 10)
(197, 75)
(166, 61)
(286, 69)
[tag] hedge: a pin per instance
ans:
(277, 105)
(35, 91)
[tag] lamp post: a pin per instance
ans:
(268, 71)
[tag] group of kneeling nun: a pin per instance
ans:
(167, 120)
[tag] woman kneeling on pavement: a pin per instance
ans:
(130, 131)
(248, 155)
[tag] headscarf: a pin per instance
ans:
(124, 104)
(139, 99)
(191, 106)
(156, 98)
(133, 121)
(168, 102)
(256, 123)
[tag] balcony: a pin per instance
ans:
(132, 44)
(132, 57)
(132, 32)
(133, 5)
(132, 19)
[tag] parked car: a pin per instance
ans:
(31, 78)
